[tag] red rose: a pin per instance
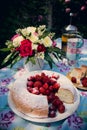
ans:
(41, 48)
(25, 48)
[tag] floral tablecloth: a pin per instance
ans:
(10, 121)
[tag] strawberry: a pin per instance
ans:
(52, 108)
(51, 88)
(61, 108)
(52, 81)
(32, 78)
(35, 91)
(52, 114)
(38, 77)
(37, 84)
(30, 83)
(73, 79)
(47, 91)
(56, 87)
(51, 97)
(42, 90)
(56, 102)
(84, 81)
(45, 85)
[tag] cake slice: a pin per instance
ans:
(84, 69)
(65, 95)
(77, 73)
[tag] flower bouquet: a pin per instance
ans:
(32, 42)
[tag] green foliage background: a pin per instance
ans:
(22, 13)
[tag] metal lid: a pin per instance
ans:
(71, 28)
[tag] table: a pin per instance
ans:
(10, 121)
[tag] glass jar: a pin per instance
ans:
(69, 32)
(72, 41)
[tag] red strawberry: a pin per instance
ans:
(56, 87)
(32, 78)
(37, 84)
(52, 108)
(30, 83)
(35, 91)
(52, 114)
(61, 108)
(42, 90)
(84, 81)
(52, 81)
(38, 77)
(51, 88)
(56, 102)
(51, 97)
(73, 79)
(45, 85)
(47, 91)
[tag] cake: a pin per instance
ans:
(84, 69)
(35, 96)
(65, 95)
(77, 73)
(79, 77)
(25, 102)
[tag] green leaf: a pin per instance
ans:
(9, 59)
(15, 61)
(32, 59)
(49, 59)
(5, 49)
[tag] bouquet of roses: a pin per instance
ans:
(32, 42)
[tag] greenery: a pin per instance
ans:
(22, 13)
(34, 43)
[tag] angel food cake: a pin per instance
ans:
(37, 96)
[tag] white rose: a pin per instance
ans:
(28, 30)
(24, 31)
(17, 41)
(47, 42)
(33, 38)
(31, 29)
(34, 46)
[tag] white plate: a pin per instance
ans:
(69, 108)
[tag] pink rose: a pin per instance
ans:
(14, 36)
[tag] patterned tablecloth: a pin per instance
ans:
(10, 121)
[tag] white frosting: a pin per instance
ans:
(21, 93)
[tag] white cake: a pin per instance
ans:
(28, 103)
